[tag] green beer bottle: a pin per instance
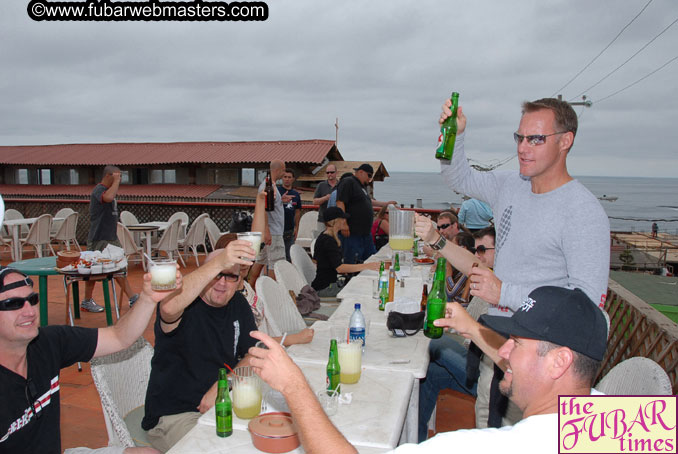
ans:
(396, 266)
(333, 369)
(435, 306)
(415, 248)
(383, 292)
(223, 407)
(448, 132)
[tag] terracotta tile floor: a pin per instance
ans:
(82, 422)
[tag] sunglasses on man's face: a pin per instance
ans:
(331, 171)
(534, 139)
(443, 226)
(17, 302)
(230, 277)
(482, 249)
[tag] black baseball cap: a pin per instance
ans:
(333, 213)
(558, 315)
(6, 271)
(366, 167)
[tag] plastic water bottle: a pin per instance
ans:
(356, 326)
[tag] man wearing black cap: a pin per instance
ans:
(556, 342)
(353, 198)
(32, 356)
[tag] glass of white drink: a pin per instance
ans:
(163, 274)
(254, 238)
(350, 361)
(400, 229)
(246, 393)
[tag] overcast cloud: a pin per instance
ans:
(383, 67)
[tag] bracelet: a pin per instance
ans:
(439, 244)
(169, 323)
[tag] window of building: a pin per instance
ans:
(159, 176)
(124, 176)
(247, 177)
(22, 176)
(261, 176)
(73, 176)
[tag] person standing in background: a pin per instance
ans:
(475, 214)
(322, 196)
(103, 230)
(292, 205)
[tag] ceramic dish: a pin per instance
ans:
(274, 432)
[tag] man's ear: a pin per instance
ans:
(561, 361)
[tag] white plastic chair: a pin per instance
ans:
(129, 246)
(289, 276)
(38, 235)
(10, 215)
(307, 225)
(128, 218)
(121, 380)
(303, 262)
(213, 232)
(195, 237)
(280, 312)
(67, 231)
(636, 376)
(62, 213)
(184, 222)
(169, 241)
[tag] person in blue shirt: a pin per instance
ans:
(475, 214)
(292, 206)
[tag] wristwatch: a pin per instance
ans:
(439, 244)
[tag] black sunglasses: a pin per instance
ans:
(369, 175)
(534, 139)
(444, 226)
(331, 171)
(230, 277)
(32, 398)
(482, 249)
(17, 302)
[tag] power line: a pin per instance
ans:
(639, 80)
(601, 52)
(628, 59)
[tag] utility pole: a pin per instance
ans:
(584, 102)
(336, 133)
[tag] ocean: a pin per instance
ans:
(640, 201)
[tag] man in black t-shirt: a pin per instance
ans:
(197, 330)
(31, 358)
(353, 198)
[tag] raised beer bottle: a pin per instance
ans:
(333, 369)
(448, 132)
(270, 193)
(437, 300)
(223, 407)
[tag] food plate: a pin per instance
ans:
(424, 260)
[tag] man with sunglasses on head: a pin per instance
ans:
(353, 198)
(197, 331)
(31, 357)
(322, 195)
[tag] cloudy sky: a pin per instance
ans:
(383, 67)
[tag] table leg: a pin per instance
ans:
(42, 280)
(107, 303)
(76, 300)
(15, 242)
(148, 248)
(411, 427)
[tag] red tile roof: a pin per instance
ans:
(301, 151)
(133, 190)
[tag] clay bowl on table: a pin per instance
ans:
(65, 258)
(274, 432)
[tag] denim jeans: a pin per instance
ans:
(357, 248)
(446, 370)
(288, 238)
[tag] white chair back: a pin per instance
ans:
(303, 262)
(195, 237)
(307, 225)
(121, 380)
(62, 213)
(128, 218)
(213, 232)
(67, 231)
(129, 245)
(184, 222)
(636, 376)
(12, 214)
(38, 235)
(289, 276)
(169, 241)
(280, 312)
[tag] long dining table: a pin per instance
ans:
(383, 412)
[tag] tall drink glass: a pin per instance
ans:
(254, 238)
(350, 361)
(246, 392)
(400, 229)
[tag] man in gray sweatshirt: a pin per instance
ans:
(550, 229)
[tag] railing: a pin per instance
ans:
(638, 329)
